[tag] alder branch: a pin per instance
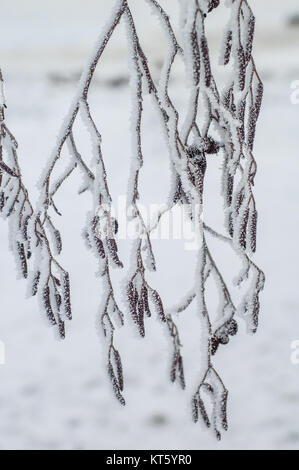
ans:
(29, 241)
(217, 124)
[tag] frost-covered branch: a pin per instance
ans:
(28, 236)
(101, 227)
(217, 124)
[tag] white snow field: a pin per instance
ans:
(56, 395)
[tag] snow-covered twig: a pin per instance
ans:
(28, 236)
(100, 230)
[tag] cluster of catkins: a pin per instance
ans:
(221, 123)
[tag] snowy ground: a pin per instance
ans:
(55, 395)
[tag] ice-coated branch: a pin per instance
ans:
(101, 227)
(219, 124)
(29, 240)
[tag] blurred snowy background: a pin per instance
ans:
(55, 395)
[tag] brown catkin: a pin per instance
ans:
(119, 369)
(58, 241)
(241, 117)
(67, 295)
(47, 305)
(177, 191)
(133, 303)
(158, 305)
(230, 224)
(243, 229)
(25, 227)
(35, 283)
(97, 240)
(232, 327)
(251, 126)
(173, 367)
(196, 57)
(239, 200)
(2, 201)
(252, 229)
(258, 98)
(214, 344)
(113, 249)
(28, 250)
(206, 60)
(195, 409)
(241, 68)
(226, 98)
(203, 412)
(181, 372)
(229, 187)
(23, 260)
(223, 409)
(144, 294)
(255, 312)
(249, 38)
(227, 47)
(100, 247)
(115, 385)
(58, 301)
(61, 328)
(140, 319)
